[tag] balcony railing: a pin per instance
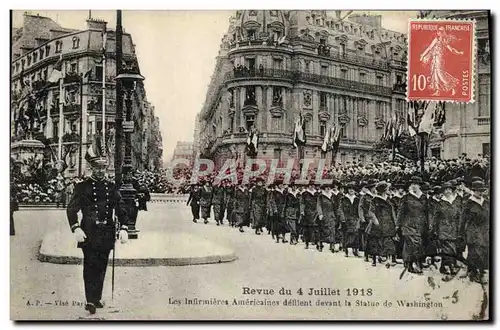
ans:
(483, 121)
(296, 76)
(399, 88)
(359, 60)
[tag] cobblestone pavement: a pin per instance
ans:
(55, 292)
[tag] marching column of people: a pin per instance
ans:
(408, 223)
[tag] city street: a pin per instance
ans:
(47, 291)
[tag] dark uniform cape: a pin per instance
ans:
(194, 201)
(270, 210)
(258, 206)
(279, 217)
(475, 223)
(228, 201)
(380, 240)
(325, 230)
(339, 235)
(292, 213)
(413, 222)
(363, 210)
(218, 203)
(240, 206)
(446, 228)
(308, 208)
(348, 216)
(96, 199)
(431, 243)
(205, 201)
(396, 203)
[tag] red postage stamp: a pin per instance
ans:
(441, 59)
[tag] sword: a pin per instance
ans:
(113, 262)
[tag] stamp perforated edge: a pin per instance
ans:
(473, 58)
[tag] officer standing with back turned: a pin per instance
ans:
(96, 197)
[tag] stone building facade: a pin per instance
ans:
(468, 126)
(274, 64)
(37, 46)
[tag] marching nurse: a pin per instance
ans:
(96, 198)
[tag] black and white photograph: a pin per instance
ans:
(250, 164)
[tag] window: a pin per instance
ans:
(379, 113)
(436, 152)
(250, 64)
(58, 46)
(250, 120)
(322, 41)
(251, 34)
(231, 124)
(76, 42)
(486, 149)
(73, 68)
(308, 67)
(322, 128)
(276, 35)
(323, 99)
(324, 70)
(29, 59)
(35, 57)
(98, 72)
(250, 96)
(277, 96)
(47, 50)
(277, 64)
(399, 79)
(362, 77)
(484, 96)
(231, 98)
(41, 53)
(342, 50)
(380, 81)
(343, 133)
(343, 74)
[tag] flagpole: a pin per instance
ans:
(61, 116)
(104, 86)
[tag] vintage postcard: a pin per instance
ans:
(250, 165)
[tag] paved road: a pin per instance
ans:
(51, 291)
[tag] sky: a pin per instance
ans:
(176, 52)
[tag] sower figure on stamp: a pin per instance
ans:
(348, 216)
(413, 220)
(258, 206)
(96, 198)
(194, 202)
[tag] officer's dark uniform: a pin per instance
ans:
(96, 199)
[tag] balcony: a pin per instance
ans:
(296, 76)
(359, 60)
(482, 121)
(343, 83)
(259, 74)
(399, 88)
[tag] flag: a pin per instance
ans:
(427, 121)
(325, 147)
(252, 142)
(299, 135)
(56, 73)
(439, 114)
(336, 138)
(411, 126)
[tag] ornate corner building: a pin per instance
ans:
(468, 126)
(41, 43)
(274, 64)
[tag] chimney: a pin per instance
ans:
(96, 24)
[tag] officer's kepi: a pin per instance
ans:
(96, 155)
